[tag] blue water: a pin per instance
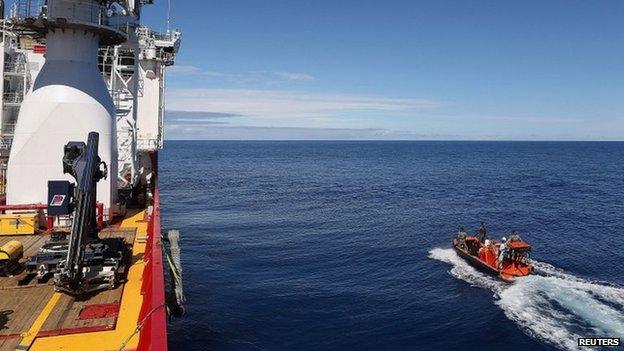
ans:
(345, 245)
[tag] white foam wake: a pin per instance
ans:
(554, 306)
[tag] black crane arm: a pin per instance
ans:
(83, 163)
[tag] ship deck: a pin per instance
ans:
(35, 317)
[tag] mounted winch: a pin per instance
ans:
(89, 263)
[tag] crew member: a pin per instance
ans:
(461, 236)
(502, 251)
(482, 233)
(514, 236)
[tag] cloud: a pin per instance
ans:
(173, 115)
(286, 104)
(261, 77)
(529, 119)
(196, 119)
(181, 69)
(192, 132)
(229, 77)
(189, 125)
(295, 76)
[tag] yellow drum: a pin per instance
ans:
(11, 251)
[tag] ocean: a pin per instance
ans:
(327, 245)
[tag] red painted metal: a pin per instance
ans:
(79, 330)
(30, 207)
(39, 49)
(100, 215)
(49, 223)
(153, 315)
(23, 207)
(98, 311)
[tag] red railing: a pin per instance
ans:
(153, 315)
(50, 219)
(23, 207)
(29, 207)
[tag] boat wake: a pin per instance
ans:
(553, 306)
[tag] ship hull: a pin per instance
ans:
(153, 316)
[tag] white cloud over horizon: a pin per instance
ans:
(286, 104)
(188, 125)
(204, 130)
(201, 131)
(295, 76)
(183, 69)
(263, 77)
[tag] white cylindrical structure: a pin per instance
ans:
(150, 104)
(68, 100)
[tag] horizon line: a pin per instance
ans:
(420, 140)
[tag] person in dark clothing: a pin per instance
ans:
(514, 236)
(461, 235)
(482, 233)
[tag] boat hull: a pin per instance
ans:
(483, 266)
(480, 265)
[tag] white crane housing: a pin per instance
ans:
(55, 54)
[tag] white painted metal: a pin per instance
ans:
(68, 100)
(18, 68)
(157, 52)
(120, 67)
(150, 105)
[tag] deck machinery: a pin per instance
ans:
(82, 115)
(80, 261)
(90, 263)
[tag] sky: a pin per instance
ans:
(396, 70)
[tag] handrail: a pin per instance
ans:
(23, 207)
(90, 13)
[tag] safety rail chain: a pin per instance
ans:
(153, 315)
(3, 170)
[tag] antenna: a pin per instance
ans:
(168, 15)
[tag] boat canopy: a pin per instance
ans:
(518, 245)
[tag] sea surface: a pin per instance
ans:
(346, 245)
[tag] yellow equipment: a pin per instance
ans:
(10, 254)
(19, 223)
(11, 251)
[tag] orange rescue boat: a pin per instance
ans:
(484, 256)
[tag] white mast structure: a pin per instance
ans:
(135, 75)
(69, 98)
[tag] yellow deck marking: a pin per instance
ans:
(129, 309)
(29, 336)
